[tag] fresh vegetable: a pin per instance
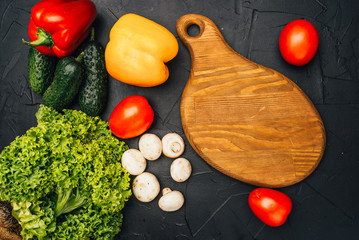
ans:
(145, 187)
(270, 206)
(133, 161)
(150, 146)
(172, 145)
(65, 86)
(138, 50)
(93, 90)
(58, 27)
(41, 70)
(131, 117)
(64, 178)
(171, 201)
(181, 169)
(298, 42)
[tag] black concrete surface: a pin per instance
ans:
(325, 205)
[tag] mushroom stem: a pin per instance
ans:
(172, 145)
(166, 191)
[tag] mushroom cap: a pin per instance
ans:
(133, 161)
(150, 146)
(171, 200)
(172, 145)
(145, 187)
(181, 169)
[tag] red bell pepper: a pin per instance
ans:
(58, 27)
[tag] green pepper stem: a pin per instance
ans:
(80, 56)
(43, 38)
(92, 37)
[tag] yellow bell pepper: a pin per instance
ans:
(138, 50)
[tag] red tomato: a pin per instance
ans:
(131, 117)
(270, 206)
(298, 42)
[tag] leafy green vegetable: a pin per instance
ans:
(64, 178)
(67, 201)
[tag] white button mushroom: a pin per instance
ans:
(133, 161)
(181, 169)
(146, 187)
(150, 146)
(171, 200)
(172, 145)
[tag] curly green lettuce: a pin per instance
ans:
(64, 178)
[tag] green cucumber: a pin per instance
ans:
(41, 70)
(67, 81)
(93, 91)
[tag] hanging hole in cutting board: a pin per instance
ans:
(193, 30)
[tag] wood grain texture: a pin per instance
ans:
(247, 121)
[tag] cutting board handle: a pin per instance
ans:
(184, 22)
(209, 42)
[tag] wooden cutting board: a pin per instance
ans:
(247, 121)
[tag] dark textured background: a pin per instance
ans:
(325, 205)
